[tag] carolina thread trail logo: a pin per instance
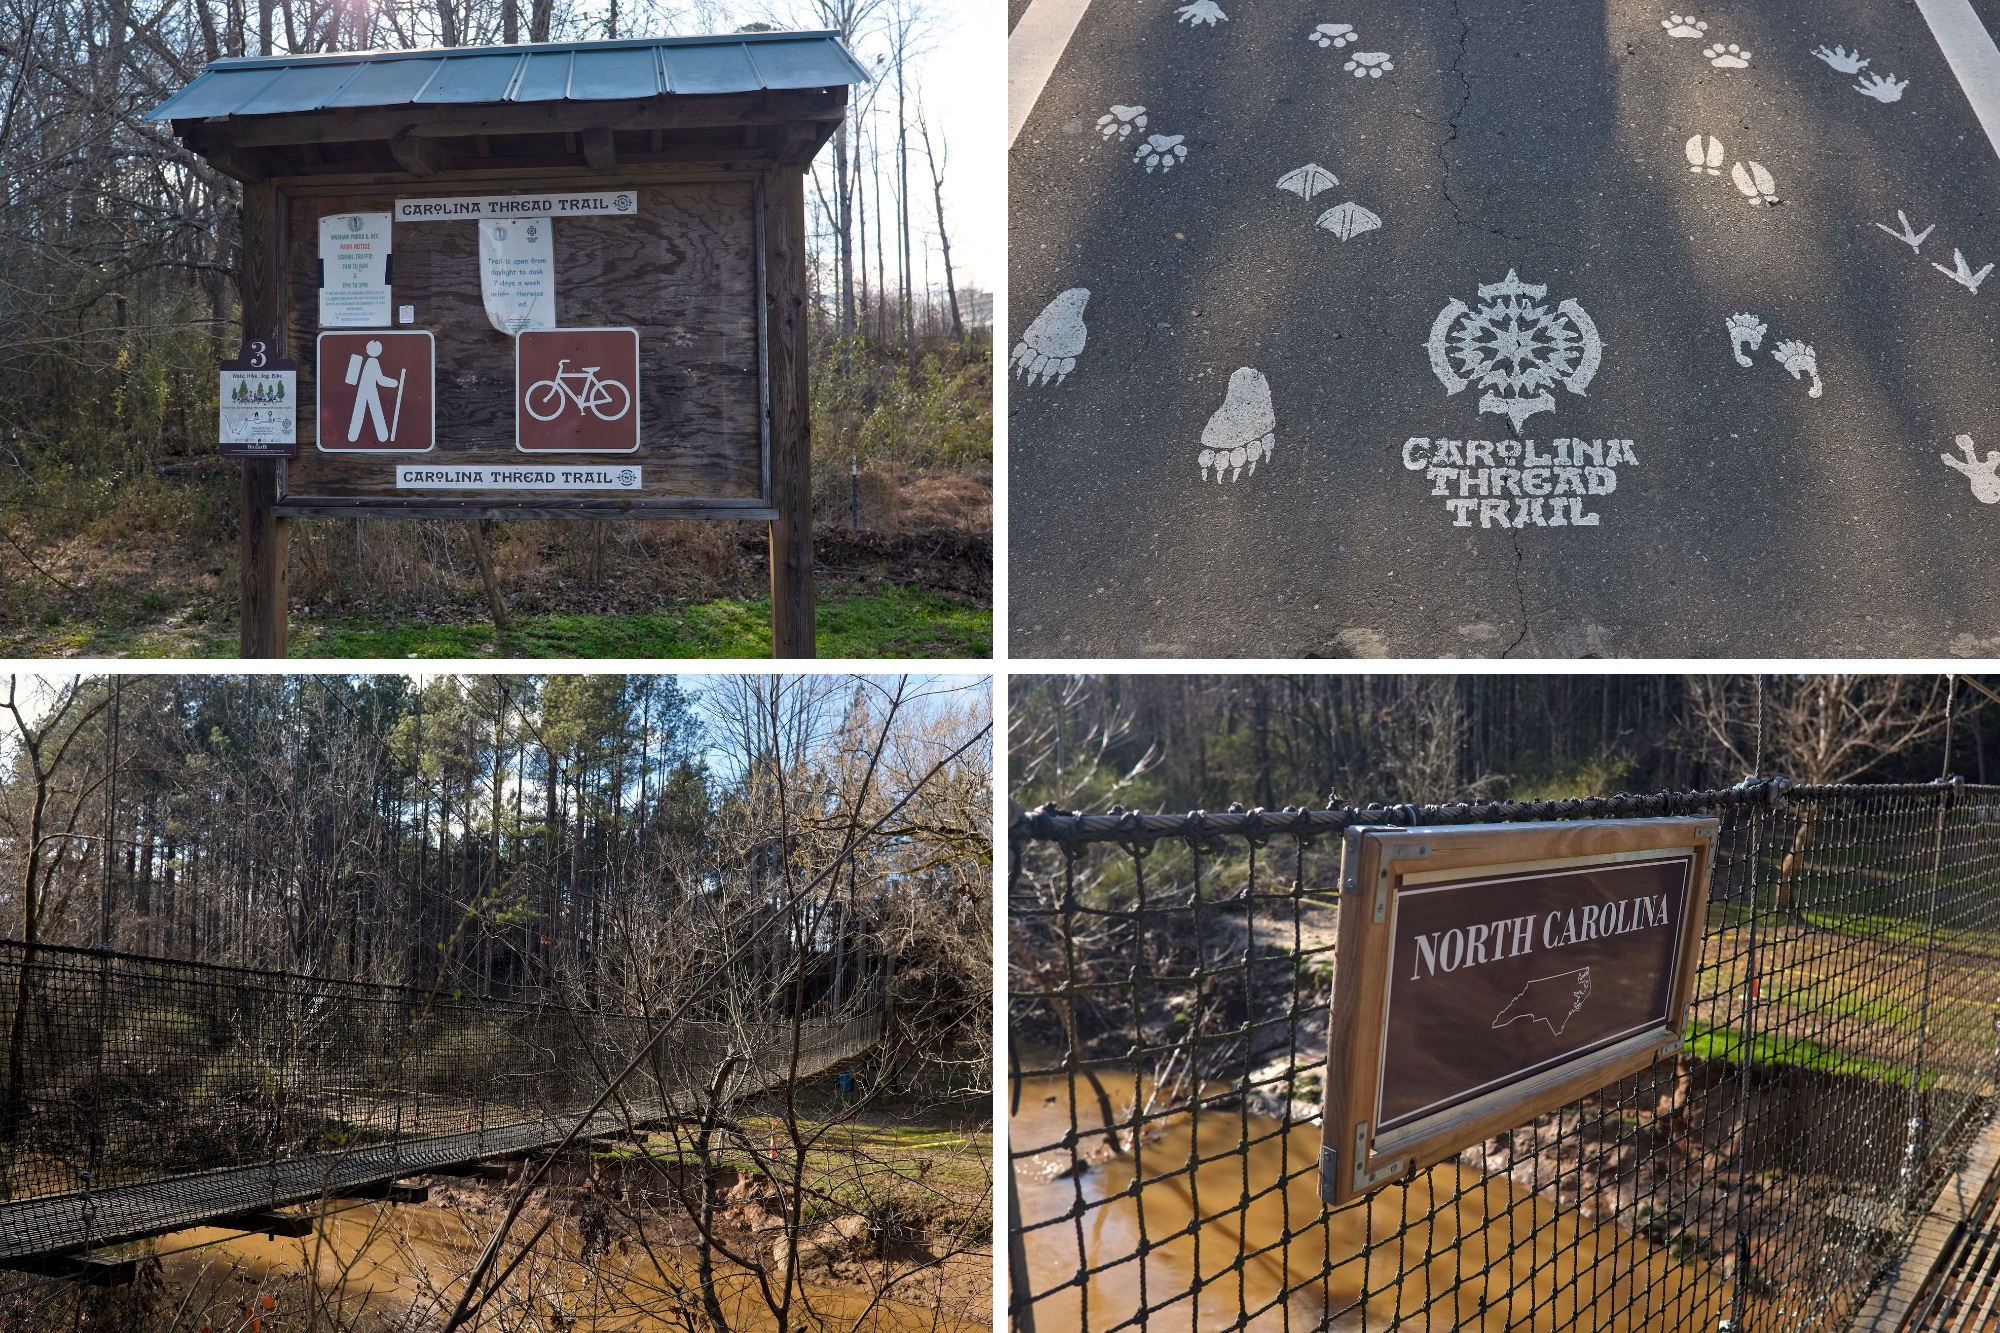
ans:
(1515, 348)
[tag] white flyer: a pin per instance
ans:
(260, 406)
(354, 271)
(517, 273)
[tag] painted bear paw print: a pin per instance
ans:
(1120, 121)
(1746, 334)
(1052, 343)
(1985, 477)
(1799, 359)
(1683, 25)
(1333, 34)
(1162, 151)
(1731, 56)
(1243, 430)
(1369, 64)
(1202, 11)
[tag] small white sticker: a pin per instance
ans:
(406, 314)
(425, 477)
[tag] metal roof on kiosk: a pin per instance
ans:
(542, 72)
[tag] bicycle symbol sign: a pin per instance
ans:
(576, 391)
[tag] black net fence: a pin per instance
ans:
(1169, 986)
(138, 1093)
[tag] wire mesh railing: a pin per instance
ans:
(1169, 983)
(138, 1091)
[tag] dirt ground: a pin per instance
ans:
(160, 588)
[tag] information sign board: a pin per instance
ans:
(1491, 973)
(259, 397)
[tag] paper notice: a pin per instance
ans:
(517, 266)
(354, 271)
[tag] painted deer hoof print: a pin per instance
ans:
(1051, 345)
(1731, 56)
(1746, 334)
(1799, 359)
(1243, 430)
(1754, 183)
(1369, 64)
(1202, 11)
(1683, 25)
(1708, 160)
(1333, 34)
(1985, 477)
(1881, 87)
(1120, 121)
(1162, 151)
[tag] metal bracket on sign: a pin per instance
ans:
(1394, 851)
(1368, 1180)
(1329, 1162)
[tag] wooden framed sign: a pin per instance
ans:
(624, 320)
(1490, 973)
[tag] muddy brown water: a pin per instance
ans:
(1453, 1248)
(399, 1258)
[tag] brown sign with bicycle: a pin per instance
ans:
(576, 391)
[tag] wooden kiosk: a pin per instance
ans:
(563, 280)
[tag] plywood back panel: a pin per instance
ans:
(683, 272)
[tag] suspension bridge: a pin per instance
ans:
(141, 1095)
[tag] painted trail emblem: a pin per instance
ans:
(1551, 1001)
(1515, 348)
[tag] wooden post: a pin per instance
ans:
(266, 537)
(792, 631)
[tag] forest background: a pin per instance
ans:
(118, 520)
(1204, 742)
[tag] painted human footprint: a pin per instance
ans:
(1842, 59)
(1745, 331)
(1985, 477)
(1883, 88)
(1369, 64)
(1120, 121)
(1709, 160)
(1754, 183)
(1243, 430)
(1202, 11)
(1052, 343)
(1799, 359)
(1731, 56)
(1333, 34)
(1162, 151)
(1683, 25)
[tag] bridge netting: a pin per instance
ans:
(140, 1094)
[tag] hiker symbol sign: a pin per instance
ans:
(376, 392)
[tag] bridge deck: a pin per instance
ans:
(57, 1224)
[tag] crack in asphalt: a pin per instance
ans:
(1520, 594)
(1464, 100)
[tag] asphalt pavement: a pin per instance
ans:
(1408, 332)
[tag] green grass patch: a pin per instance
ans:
(1710, 1043)
(891, 622)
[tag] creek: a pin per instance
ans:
(1452, 1248)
